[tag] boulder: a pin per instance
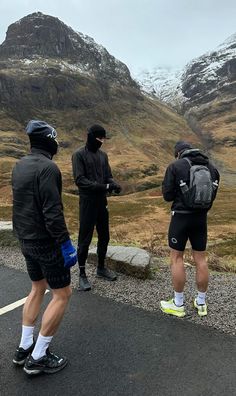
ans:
(128, 260)
(7, 237)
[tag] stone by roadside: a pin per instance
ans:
(146, 294)
(127, 260)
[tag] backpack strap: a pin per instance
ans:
(188, 160)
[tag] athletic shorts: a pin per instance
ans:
(44, 260)
(192, 226)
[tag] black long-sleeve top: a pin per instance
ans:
(91, 171)
(37, 204)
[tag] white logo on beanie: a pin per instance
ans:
(52, 134)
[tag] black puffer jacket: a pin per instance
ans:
(37, 205)
(91, 172)
(179, 170)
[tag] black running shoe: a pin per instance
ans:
(21, 354)
(48, 364)
(84, 284)
(107, 274)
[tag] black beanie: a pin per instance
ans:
(94, 132)
(181, 146)
(97, 131)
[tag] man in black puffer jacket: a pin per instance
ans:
(92, 175)
(188, 222)
(38, 222)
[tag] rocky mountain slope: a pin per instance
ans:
(48, 71)
(163, 83)
(205, 93)
(209, 89)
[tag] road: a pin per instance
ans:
(115, 349)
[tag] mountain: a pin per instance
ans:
(211, 75)
(39, 52)
(205, 93)
(209, 89)
(48, 71)
(163, 83)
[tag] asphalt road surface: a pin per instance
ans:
(116, 349)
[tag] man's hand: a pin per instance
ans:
(117, 189)
(114, 187)
(69, 254)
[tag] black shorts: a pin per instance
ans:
(192, 226)
(44, 260)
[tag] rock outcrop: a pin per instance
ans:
(38, 36)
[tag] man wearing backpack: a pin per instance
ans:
(191, 182)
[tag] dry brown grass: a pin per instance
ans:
(156, 246)
(215, 262)
(220, 121)
(142, 219)
(143, 134)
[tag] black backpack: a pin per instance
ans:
(201, 191)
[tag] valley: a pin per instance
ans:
(50, 72)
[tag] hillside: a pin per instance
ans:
(48, 71)
(209, 85)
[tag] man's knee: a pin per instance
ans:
(176, 256)
(103, 239)
(63, 293)
(83, 247)
(199, 258)
(39, 287)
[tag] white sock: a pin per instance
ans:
(201, 298)
(179, 299)
(27, 338)
(41, 346)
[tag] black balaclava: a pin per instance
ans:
(42, 136)
(44, 143)
(95, 131)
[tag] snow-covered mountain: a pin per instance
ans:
(205, 93)
(163, 83)
(212, 75)
(200, 81)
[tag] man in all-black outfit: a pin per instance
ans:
(38, 222)
(187, 223)
(92, 175)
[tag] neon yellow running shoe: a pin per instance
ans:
(201, 309)
(170, 308)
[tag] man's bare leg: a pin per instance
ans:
(177, 270)
(51, 320)
(30, 314)
(33, 302)
(55, 311)
(176, 306)
(202, 273)
(202, 279)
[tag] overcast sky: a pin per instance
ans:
(141, 33)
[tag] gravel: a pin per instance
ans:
(146, 294)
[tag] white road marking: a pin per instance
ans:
(14, 305)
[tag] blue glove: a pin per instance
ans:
(69, 254)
